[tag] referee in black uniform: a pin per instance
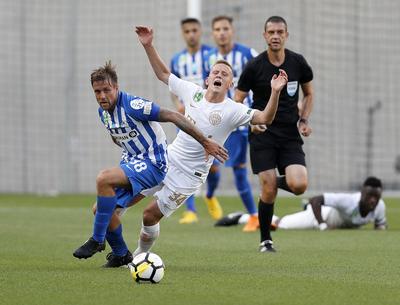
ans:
(280, 145)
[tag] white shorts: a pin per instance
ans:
(177, 187)
(306, 219)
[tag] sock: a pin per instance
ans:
(152, 232)
(281, 183)
(116, 241)
(105, 209)
(190, 205)
(244, 189)
(212, 183)
(265, 213)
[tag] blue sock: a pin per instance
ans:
(116, 241)
(212, 183)
(244, 189)
(105, 209)
(190, 205)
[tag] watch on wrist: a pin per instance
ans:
(303, 120)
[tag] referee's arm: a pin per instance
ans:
(239, 96)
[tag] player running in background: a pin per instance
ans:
(279, 146)
(237, 55)
(213, 113)
(189, 64)
(340, 210)
(133, 125)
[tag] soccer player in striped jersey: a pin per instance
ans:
(133, 125)
(189, 64)
(213, 113)
(237, 55)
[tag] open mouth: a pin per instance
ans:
(217, 83)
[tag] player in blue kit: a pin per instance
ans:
(237, 55)
(189, 64)
(133, 125)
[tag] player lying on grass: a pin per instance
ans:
(340, 210)
(133, 125)
(213, 113)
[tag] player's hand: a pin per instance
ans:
(145, 34)
(257, 129)
(279, 81)
(304, 129)
(214, 149)
(323, 226)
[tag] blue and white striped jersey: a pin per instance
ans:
(191, 67)
(237, 58)
(132, 126)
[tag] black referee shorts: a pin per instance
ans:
(268, 151)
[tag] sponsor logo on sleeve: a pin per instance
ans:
(198, 96)
(147, 108)
(291, 88)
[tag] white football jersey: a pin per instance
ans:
(348, 207)
(215, 120)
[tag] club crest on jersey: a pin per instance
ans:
(106, 117)
(291, 88)
(215, 118)
(137, 104)
(197, 97)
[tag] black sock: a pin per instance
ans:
(281, 183)
(265, 213)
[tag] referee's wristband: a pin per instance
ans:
(303, 120)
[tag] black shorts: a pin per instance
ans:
(268, 151)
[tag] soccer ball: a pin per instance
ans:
(147, 267)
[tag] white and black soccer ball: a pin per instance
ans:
(147, 267)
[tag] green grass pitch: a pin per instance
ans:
(204, 264)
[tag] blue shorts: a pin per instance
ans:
(236, 144)
(142, 174)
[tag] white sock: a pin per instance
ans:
(151, 233)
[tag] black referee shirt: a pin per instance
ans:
(257, 77)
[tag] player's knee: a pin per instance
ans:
(268, 194)
(102, 179)
(298, 188)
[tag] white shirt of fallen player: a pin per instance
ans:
(188, 168)
(340, 210)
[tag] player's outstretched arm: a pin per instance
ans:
(268, 114)
(145, 36)
(316, 203)
(210, 146)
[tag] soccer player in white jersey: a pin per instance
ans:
(237, 55)
(213, 113)
(189, 64)
(133, 125)
(340, 210)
